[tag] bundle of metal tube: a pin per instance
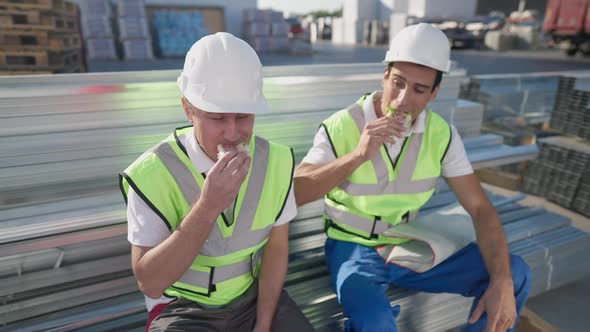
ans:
(552, 247)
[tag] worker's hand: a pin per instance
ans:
(383, 130)
(224, 180)
(499, 304)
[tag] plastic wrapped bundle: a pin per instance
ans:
(133, 27)
(131, 8)
(252, 15)
(176, 31)
(138, 49)
(279, 29)
(256, 29)
(97, 27)
(96, 8)
(101, 48)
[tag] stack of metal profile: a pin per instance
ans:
(527, 96)
(561, 172)
(553, 249)
(466, 116)
(581, 202)
(65, 257)
(571, 114)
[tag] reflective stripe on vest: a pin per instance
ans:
(220, 274)
(372, 226)
(216, 245)
(403, 184)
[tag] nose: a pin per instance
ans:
(403, 97)
(231, 133)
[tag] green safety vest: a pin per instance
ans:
(381, 193)
(227, 264)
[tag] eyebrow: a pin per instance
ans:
(424, 86)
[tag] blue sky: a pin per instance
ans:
(300, 6)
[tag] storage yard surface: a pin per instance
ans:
(476, 62)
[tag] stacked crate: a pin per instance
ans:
(265, 30)
(569, 155)
(571, 113)
(97, 29)
(133, 30)
(39, 37)
(581, 202)
(175, 31)
(561, 173)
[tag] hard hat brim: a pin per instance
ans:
(390, 58)
(209, 107)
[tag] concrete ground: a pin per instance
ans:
(566, 308)
(476, 62)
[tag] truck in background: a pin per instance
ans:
(568, 24)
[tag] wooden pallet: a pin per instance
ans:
(23, 59)
(75, 68)
(500, 178)
(25, 72)
(36, 20)
(65, 23)
(531, 322)
(31, 40)
(65, 59)
(24, 40)
(47, 5)
(64, 42)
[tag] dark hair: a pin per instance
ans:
(437, 79)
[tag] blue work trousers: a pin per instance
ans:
(361, 279)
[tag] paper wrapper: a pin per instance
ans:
(435, 237)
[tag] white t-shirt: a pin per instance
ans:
(454, 164)
(146, 228)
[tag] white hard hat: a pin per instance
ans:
(422, 44)
(222, 74)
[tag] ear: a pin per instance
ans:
(186, 109)
(385, 77)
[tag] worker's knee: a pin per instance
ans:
(521, 274)
(373, 319)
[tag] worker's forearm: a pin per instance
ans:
(272, 277)
(164, 264)
(492, 244)
(312, 183)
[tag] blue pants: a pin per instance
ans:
(361, 278)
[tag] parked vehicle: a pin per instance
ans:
(568, 24)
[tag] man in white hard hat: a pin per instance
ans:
(375, 172)
(208, 207)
